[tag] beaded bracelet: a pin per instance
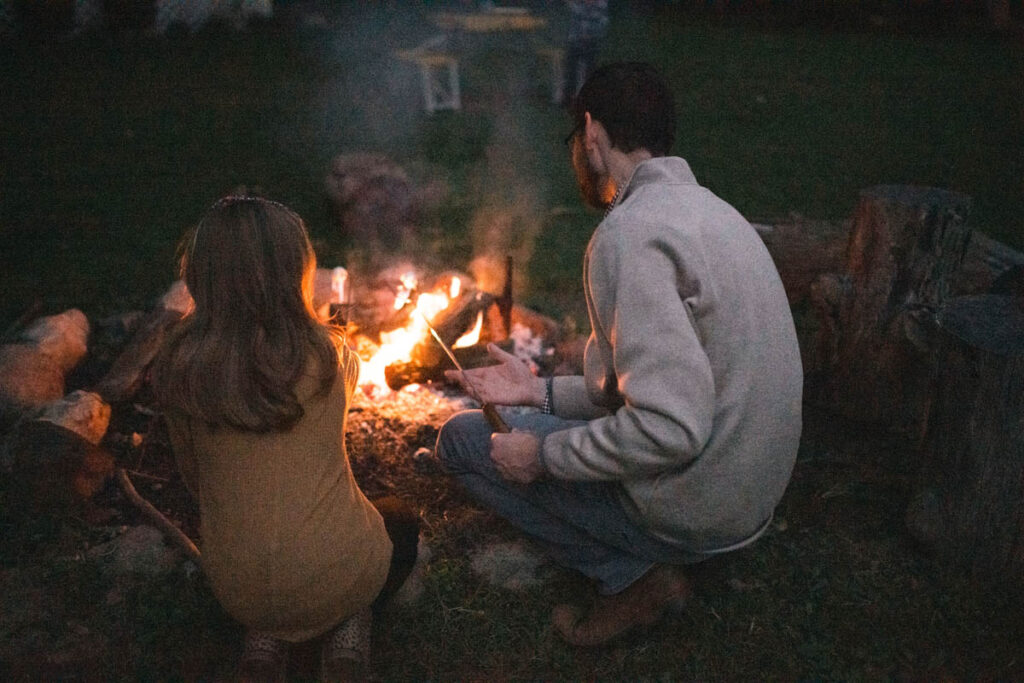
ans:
(548, 406)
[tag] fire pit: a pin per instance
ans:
(389, 316)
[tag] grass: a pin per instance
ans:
(112, 147)
(834, 591)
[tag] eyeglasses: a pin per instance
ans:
(575, 131)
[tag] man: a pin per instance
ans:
(677, 442)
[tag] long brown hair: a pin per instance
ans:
(236, 358)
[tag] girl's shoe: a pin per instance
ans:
(264, 659)
(346, 652)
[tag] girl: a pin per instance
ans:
(255, 391)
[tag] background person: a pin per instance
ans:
(588, 25)
(679, 439)
(255, 391)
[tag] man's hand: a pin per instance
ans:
(509, 383)
(515, 456)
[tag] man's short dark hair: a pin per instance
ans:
(634, 105)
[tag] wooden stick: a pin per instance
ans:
(155, 516)
(505, 300)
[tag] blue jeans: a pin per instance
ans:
(579, 524)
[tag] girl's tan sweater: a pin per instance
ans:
(290, 544)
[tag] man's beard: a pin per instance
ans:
(596, 189)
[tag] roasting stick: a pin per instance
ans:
(490, 412)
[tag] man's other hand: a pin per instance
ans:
(515, 456)
(509, 383)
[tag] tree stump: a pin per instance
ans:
(869, 358)
(969, 501)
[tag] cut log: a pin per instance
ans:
(128, 372)
(803, 251)
(969, 500)
(83, 412)
(53, 468)
(870, 357)
(33, 370)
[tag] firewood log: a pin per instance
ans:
(128, 372)
(34, 368)
(54, 469)
(461, 315)
(400, 374)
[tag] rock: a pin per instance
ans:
(140, 550)
(512, 565)
(82, 412)
(33, 369)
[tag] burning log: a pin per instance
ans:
(453, 323)
(401, 374)
(427, 361)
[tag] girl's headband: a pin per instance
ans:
(238, 199)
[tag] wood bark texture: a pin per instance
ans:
(870, 357)
(128, 372)
(969, 499)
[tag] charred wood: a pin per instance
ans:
(401, 374)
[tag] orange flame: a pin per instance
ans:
(473, 336)
(397, 345)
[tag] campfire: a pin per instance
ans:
(401, 346)
(389, 318)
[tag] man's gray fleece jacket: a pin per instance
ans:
(692, 377)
